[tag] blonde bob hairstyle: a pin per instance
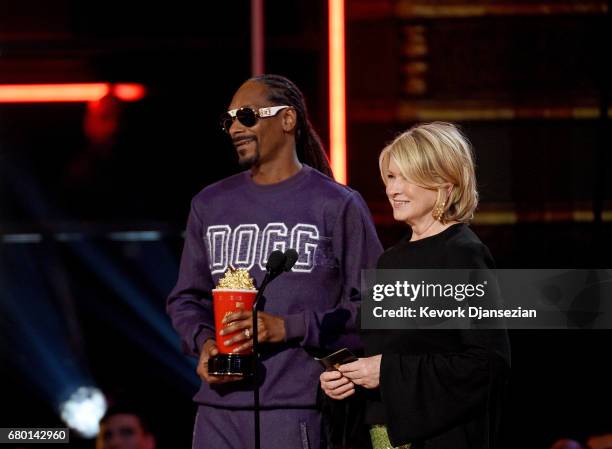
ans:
(431, 155)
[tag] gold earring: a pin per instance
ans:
(438, 211)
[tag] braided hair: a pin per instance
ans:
(308, 143)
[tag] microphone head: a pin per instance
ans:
(291, 257)
(276, 261)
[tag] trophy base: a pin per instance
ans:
(231, 365)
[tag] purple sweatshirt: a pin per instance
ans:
(239, 223)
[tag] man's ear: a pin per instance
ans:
(289, 120)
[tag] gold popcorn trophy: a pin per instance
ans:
(235, 292)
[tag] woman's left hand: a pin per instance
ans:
(364, 372)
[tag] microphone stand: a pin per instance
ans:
(284, 262)
(264, 284)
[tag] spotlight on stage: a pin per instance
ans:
(83, 410)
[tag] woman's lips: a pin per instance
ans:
(398, 204)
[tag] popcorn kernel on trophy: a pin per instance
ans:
(235, 291)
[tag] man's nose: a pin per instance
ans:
(236, 128)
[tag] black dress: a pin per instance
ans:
(439, 388)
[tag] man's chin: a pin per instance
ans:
(248, 162)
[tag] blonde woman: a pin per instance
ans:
(430, 388)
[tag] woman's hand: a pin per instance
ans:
(270, 328)
(364, 372)
(335, 385)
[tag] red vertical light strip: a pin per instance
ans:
(337, 87)
(257, 37)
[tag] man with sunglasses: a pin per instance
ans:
(285, 199)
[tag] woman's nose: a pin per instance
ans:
(392, 187)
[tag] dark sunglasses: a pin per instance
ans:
(247, 116)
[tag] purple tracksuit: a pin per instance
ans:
(239, 223)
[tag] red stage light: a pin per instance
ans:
(337, 99)
(83, 92)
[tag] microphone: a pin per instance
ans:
(291, 257)
(276, 264)
(274, 267)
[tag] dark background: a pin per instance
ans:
(527, 80)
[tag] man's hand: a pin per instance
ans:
(335, 385)
(209, 349)
(364, 372)
(271, 329)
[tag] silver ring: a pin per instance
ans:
(247, 333)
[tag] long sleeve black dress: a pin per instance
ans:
(439, 389)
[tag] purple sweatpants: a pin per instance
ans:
(217, 428)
